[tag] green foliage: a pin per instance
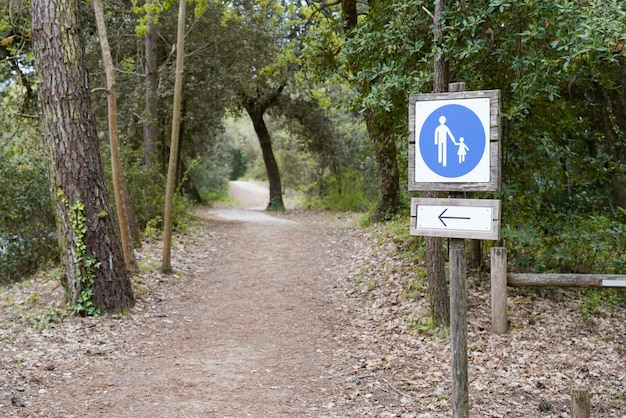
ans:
(27, 227)
(416, 287)
(559, 66)
(147, 194)
(239, 163)
(41, 319)
(346, 193)
(425, 324)
(209, 177)
(146, 189)
(599, 301)
(27, 224)
(576, 244)
(82, 287)
(243, 149)
(151, 10)
(33, 312)
(397, 232)
(322, 153)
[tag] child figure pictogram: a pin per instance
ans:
(463, 148)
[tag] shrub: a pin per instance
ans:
(571, 244)
(27, 226)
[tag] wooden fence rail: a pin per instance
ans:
(501, 279)
(565, 280)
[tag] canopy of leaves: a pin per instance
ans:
(561, 68)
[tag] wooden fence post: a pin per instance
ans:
(458, 329)
(581, 407)
(499, 318)
(458, 313)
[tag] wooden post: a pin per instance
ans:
(458, 314)
(499, 319)
(581, 407)
(458, 328)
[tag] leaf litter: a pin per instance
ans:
(367, 347)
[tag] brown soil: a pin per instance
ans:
(294, 315)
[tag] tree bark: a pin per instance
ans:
(166, 263)
(349, 13)
(476, 256)
(273, 175)
(94, 273)
(256, 105)
(125, 215)
(151, 123)
(384, 148)
(433, 257)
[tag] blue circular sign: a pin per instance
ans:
(452, 141)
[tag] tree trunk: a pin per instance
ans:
(273, 175)
(166, 264)
(382, 142)
(384, 148)
(125, 215)
(349, 13)
(151, 123)
(433, 257)
(94, 277)
(476, 255)
(618, 182)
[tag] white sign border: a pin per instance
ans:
(479, 174)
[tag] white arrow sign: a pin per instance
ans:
(456, 218)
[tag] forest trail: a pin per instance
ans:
(246, 330)
(297, 314)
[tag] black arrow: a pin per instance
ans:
(441, 217)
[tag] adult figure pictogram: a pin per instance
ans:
(442, 132)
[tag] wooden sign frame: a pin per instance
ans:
(494, 142)
(493, 233)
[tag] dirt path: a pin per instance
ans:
(248, 339)
(249, 195)
(244, 332)
(297, 315)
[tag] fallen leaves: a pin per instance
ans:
(387, 359)
(528, 372)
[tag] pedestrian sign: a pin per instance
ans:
(453, 141)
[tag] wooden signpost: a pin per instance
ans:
(454, 146)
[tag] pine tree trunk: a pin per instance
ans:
(95, 277)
